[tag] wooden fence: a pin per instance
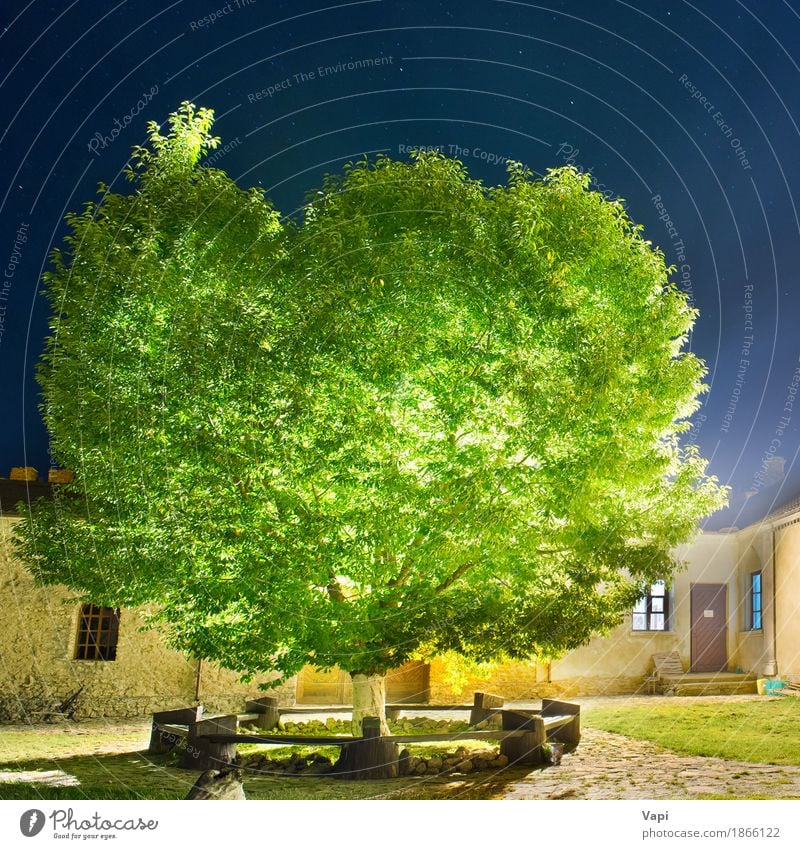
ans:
(210, 742)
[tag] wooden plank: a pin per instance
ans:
(305, 740)
(286, 711)
(163, 741)
(556, 721)
(179, 716)
(568, 732)
(520, 719)
(463, 735)
(180, 730)
(293, 740)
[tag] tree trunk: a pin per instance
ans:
(369, 699)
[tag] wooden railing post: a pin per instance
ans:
(485, 706)
(370, 757)
(163, 741)
(527, 747)
(267, 708)
(200, 753)
(570, 733)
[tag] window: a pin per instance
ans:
(98, 629)
(650, 612)
(755, 601)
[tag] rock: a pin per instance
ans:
(434, 764)
(452, 761)
(422, 767)
(465, 766)
(412, 764)
(319, 767)
(480, 763)
(482, 725)
(499, 761)
(297, 762)
(218, 784)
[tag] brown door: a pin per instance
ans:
(321, 686)
(709, 628)
(407, 683)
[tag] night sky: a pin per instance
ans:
(688, 112)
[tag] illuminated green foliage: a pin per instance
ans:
(433, 416)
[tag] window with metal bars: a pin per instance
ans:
(651, 612)
(98, 630)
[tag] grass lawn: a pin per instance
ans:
(111, 762)
(763, 731)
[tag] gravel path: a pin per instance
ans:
(610, 766)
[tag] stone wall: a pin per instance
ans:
(37, 666)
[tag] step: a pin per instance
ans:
(712, 688)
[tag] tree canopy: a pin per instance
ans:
(430, 416)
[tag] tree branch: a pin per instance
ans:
(458, 573)
(403, 575)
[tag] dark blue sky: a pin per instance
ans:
(688, 111)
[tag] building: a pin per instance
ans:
(733, 613)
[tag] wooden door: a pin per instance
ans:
(321, 686)
(408, 683)
(709, 635)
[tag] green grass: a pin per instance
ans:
(111, 763)
(765, 731)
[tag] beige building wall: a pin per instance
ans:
(787, 599)
(754, 649)
(618, 662)
(37, 666)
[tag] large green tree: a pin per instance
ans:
(432, 416)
